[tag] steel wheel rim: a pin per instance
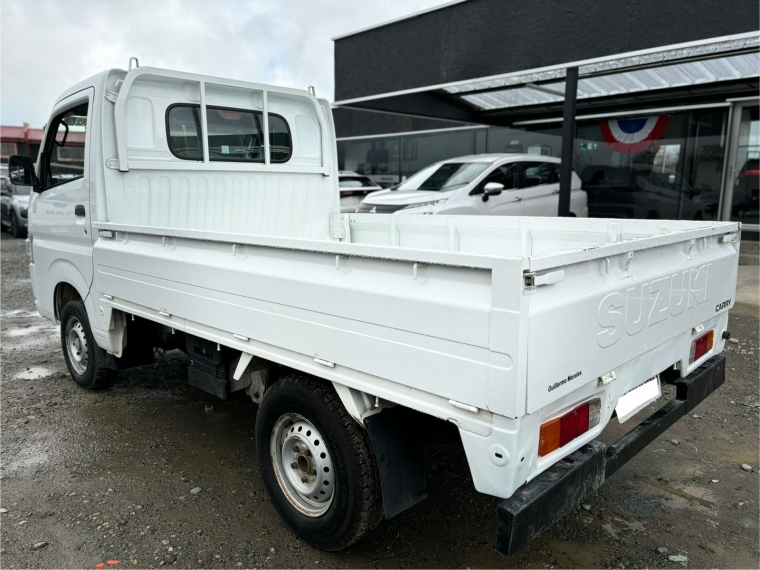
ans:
(303, 464)
(76, 345)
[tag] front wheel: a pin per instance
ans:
(317, 464)
(84, 359)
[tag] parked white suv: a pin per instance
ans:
(481, 184)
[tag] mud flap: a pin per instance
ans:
(399, 459)
(561, 488)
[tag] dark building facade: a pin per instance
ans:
(655, 103)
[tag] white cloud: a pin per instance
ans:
(47, 46)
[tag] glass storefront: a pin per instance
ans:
(388, 160)
(546, 141)
(744, 177)
(666, 165)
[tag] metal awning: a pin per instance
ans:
(526, 91)
(686, 68)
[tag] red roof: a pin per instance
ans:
(21, 134)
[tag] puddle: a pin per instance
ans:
(25, 331)
(616, 526)
(681, 498)
(33, 373)
(639, 504)
(20, 313)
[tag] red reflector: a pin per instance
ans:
(573, 424)
(701, 346)
(560, 431)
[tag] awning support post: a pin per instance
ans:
(568, 140)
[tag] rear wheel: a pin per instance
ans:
(317, 464)
(84, 359)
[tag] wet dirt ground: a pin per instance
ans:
(101, 476)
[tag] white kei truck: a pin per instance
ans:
(183, 211)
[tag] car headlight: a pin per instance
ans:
(423, 204)
(23, 211)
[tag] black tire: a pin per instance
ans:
(16, 229)
(93, 373)
(356, 506)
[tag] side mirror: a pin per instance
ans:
(492, 189)
(21, 171)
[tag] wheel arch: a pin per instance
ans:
(62, 294)
(69, 283)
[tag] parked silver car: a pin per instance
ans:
(15, 204)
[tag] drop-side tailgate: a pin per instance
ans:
(607, 311)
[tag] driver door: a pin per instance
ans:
(60, 212)
(510, 201)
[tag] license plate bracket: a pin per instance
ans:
(630, 403)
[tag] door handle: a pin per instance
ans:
(79, 210)
(555, 191)
(517, 199)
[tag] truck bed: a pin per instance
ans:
(443, 305)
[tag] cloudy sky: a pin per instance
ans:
(46, 46)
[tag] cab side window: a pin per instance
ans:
(65, 148)
(183, 129)
(506, 174)
(539, 173)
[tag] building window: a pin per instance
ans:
(234, 135)
(71, 154)
(7, 149)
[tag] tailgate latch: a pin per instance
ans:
(532, 280)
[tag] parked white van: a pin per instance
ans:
(484, 185)
(203, 214)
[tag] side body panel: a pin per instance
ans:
(430, 332)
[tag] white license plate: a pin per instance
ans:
(637, 399)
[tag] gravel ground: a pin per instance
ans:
(92, 477)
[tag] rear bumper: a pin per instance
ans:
(558, 490)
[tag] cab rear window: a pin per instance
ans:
(234, 135)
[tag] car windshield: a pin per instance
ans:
(444, 176)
